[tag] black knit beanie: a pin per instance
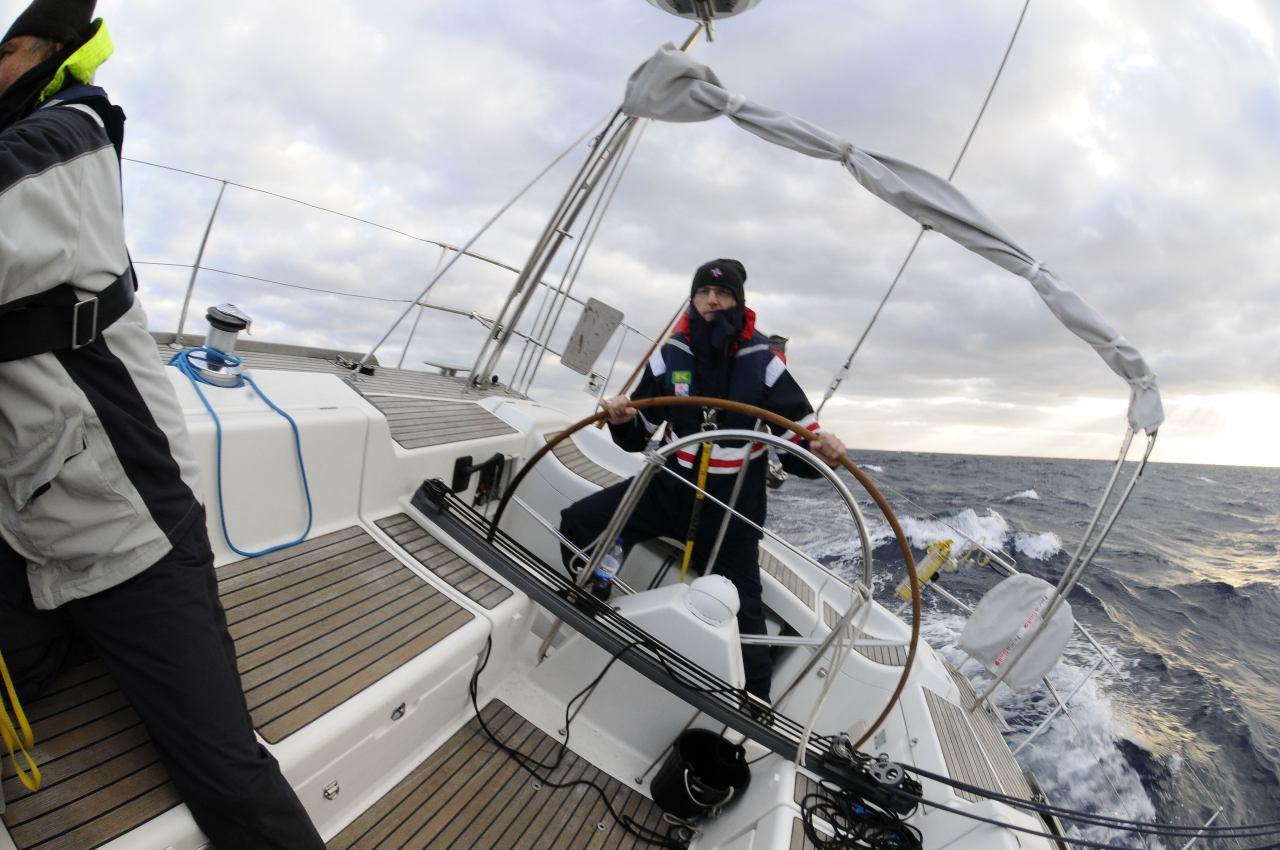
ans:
(65, 21)
(729, 274)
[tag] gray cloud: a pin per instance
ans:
(1132, 148)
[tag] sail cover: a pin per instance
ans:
(673, 87)
(1009, 613)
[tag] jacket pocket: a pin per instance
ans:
(61, 506)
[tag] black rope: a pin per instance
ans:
(1256, 830)
(848, 821)
(1066, 839)
(677, 836)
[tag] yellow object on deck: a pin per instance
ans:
(938, 556)
(19, 737)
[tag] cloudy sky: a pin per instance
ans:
(1132, 146)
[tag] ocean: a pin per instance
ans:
(1184, 596)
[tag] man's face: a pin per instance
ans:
(20, 54)
(708, 299)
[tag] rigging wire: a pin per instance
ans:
(844, 370)
(484, 228)
(470, 314)
(1200, 832)
(539, 330)
(1254, 830)
(293, 200)
(563, 293)
(282, 283)
(550, 310)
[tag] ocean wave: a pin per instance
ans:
(989, 530)
(1204, 602)
(1025, 494)
(1080, 759)
(1185, 589)
(1041, 547)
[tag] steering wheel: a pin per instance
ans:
(786, 424)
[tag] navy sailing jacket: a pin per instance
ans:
(758, 376)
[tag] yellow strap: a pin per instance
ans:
(688, 554)
(30, 776)
(703, 463)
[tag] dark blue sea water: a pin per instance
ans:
(1184, 596)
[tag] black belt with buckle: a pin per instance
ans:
(60, 319)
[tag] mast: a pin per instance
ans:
(604, 150)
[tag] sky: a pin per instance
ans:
(1133, 147)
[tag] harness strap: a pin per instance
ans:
(59, 319)
(709, 415)
(19, 738)
(696, 515)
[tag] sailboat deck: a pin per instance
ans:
(568, 453)
(471, 794)
(385, 380)
(313, 625)
(985, 735)
(477, 586)
(416, 423)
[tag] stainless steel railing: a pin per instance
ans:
(197, 266)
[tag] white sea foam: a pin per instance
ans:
(872, 467)
(825, 531)
(1025, 494)
(1042, 547)
(989, 530)
(1076, 759)
(844, 546)
(1206, 479)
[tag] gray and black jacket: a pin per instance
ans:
(97, 474)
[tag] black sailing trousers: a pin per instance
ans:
(163, 636)
(663, 511)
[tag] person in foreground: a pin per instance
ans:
(715, 350)
(103, 545)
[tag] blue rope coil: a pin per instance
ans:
(182, 362)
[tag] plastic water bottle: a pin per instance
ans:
(600, 584)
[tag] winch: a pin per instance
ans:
(216, 362)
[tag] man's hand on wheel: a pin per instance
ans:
(619, 410)
(828, 447)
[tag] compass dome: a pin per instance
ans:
(697, 10)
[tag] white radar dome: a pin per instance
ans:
(713, 599)
(698, 10)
